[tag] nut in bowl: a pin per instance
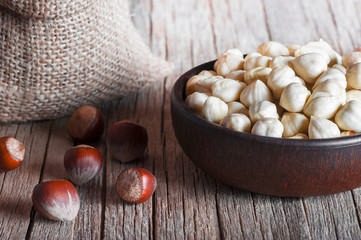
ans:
(308, 161)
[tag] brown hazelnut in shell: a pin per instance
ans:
(56, 200)
(127, 140)
(82, 163)
(135, 185)
(12, 153)
(86, 124)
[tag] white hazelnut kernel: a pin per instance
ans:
(279, 78)
(196, 101)
(332, 74)
(191, 83)
(228, 89)
(293, 48)
(294, 123)
(208, 73)
(349, 116)
(353, 95)
(294, 97)
(322, 128)
(237, 107)
(236, 75)
(270, 127)
(299, 136)
(260, 73)
(351, 57)
(322, 105)
(237, 121)
(340, 67)
(281, 61)
(214, 109)
(353, 75)
(272, 49)
(264, 109)
(256, 61)
(333, 88)
(256, 91)
(205, 85)
(322, 48)
(309, 66)
(230, 60)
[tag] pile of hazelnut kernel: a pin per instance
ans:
(298, 92)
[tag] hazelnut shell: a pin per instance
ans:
(127, 140)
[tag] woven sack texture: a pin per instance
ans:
(57, 55)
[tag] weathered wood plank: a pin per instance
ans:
(53, 168)
(347, 20)
(18, 184)
(188, 204)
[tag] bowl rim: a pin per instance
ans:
(178, 102)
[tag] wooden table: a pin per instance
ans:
(188, 204)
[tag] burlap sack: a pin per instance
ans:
(56, 55)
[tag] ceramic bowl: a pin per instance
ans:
(273, 166)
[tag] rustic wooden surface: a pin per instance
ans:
(188, 204)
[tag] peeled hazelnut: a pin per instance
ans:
(353, 95)
(228, 89)
(135, 185)
(230, 60)
(237, 107)
(353, 75)
(349, 116)
(236, 75)
(86, 124)
(281, 61)
(279, 78)
(270, 127)
(56, 200)
(237, 121)
(323, 48)
(264, 109)
(322, 128)
(205, 85)
(12, 153)
(294, 123)
(214, 109)
(82, 163)
(207, 73)
(339, 67)
(256, 91)
(351, 57)
(258, 73)
(299, 136)
(322, 104)
(332, 74)
(309, 66)
(191, 83)
(127, 140)
(272, 49)
(253, 61)
(294, 97)
(333, 88)
(196, 101)
(293, 48)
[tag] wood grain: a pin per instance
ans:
(188, 204)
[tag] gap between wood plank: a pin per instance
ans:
(356, 209)
(32, 212)
(104, 180)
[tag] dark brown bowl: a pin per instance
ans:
(274, 166)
